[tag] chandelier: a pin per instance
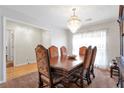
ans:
(74, 22)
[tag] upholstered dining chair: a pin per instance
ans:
(53, 51)
(46, 76)
(82, 50)
(94, 51)
(63, 51)
(84, 72)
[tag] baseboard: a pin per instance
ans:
(16, 65)
(31, 62)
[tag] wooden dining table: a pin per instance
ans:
(66, 65)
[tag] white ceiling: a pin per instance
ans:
(57, 15)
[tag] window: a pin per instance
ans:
(94, 38)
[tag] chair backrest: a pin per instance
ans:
(53, 50)
(63, 51)
(118, 59)
(93, 55)
(82, 50)
(87, 59)
(43, 63)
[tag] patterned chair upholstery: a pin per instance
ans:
(53, 50)
(43, 64)
(84, 72)
(86, 66)
(82, 50)
(92, 61)
(87, 60)
(63, 51)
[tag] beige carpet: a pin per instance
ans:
(102, 80)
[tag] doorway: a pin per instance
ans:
(10, 48)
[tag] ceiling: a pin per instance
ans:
(57, 15)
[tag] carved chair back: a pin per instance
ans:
(82, 50)
(43, 63)
(63, 51)
(53, 50)
(94, 55)
(87, 60)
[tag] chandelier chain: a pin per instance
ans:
(74, 9)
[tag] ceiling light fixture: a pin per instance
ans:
(74, 22)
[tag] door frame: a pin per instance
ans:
(4, 19)
(11, 46)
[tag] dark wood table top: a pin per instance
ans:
(66, 64)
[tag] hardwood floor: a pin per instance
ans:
(14, 72)
(9, 64)
(30, 80)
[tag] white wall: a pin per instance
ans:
(59, 38)
(55, 34)
(25, 44)
(26, 38)
(46, 41)
(69, 42)
(1, 48)
(113, 39)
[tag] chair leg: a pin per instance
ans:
(81, 81)
(119, 78)
(88, 78)
(92, 72)
(51, 86)
(93, 75)
(65, 83)
(118, 82)
(40, 84)
(111, 72)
